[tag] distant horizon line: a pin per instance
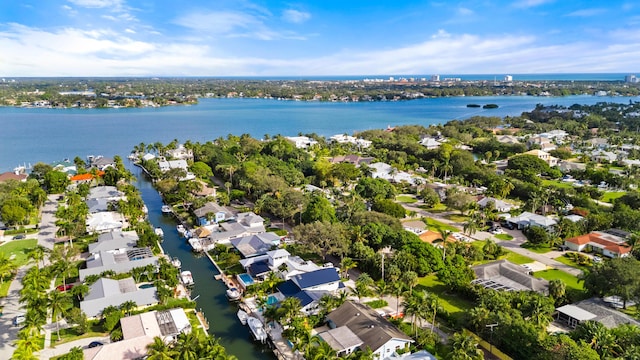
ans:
(582, 76)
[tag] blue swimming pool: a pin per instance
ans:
(271, 300)
(246, 279)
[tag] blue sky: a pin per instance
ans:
(299, 38)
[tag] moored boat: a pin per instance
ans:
(166, 209)
(233, 294)
(242, 316)
(257, 329)
(159, 232)
(181, 229)
(187, 278)
(176, 262)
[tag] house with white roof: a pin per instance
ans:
(499, 205)
(180, 153)
(508, 139)
(104, 222)
(343, 138)
(108, 292)
(592, 309)
(244, 224)
(108, 193)
(119, 261)
(543, 155)
(530, 219)
(301, 142)
(385, 171)
(114, 241)
(544, 143)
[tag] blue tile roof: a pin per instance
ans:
(258, 268)
(288, 288)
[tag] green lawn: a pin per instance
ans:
(504, 237)
(542, 249)
(436, 225)
(556, 183)
(71, 334)
(17, 249)
(407, 199)
(552, 274)
(565, 260)
(516, 258)
(457, 218)
(449, 301)
(609, 196)
(436, 209)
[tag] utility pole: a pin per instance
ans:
(491, 326)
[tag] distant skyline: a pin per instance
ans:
(316, 38)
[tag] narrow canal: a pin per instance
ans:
(210, 293)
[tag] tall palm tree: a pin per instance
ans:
(347, 264)
(465, 347)
(410, 278)
(59, 302)
(38, 254)
(7, 267)
(444, 235)
(128, 306)
(412, 308)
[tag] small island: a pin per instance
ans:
(473, 105)
(490, 106)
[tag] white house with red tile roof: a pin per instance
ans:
(605, 243)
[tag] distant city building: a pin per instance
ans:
(435, 77)
(508, 78)
(630, 79)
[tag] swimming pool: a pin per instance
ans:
(246, 280)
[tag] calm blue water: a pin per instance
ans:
(32, 135)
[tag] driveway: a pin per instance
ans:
(66, 347)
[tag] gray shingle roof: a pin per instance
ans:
(105, 292)
(505, 275)
(603, 313)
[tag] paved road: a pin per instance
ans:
(46, 236)
(12, 308)
(66, 347)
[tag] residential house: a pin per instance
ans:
(599, 143)
(256, 244)
(310, 287)
(508, 139)
(109, 193)
(86, 178)
(342, 340)
(631, 162)
(114, 241)
(65, 166)
(180, 153)
(351, 159)
(138, 331)
(98, 205)
(567, 166)
(108, 292)
(301, 142)
(602, 156)
(244, 224)
(385, 171)
(6, 176)
(592, 309)
(543, 155)
(212, 213)
(611, 243)
(431, 236)
(417, 227)
(177, 164)
(544, 143)
(374, 331)
(342, 139)
(430, 143)
(279, 261)
(499, 205)
(506, 276)
(556, 135)
(105, 221)
(118, 260)
(101, 162)
(530, 219)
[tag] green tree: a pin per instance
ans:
(429, 197)
(617, 277)
(56, 181)
(319, 209)
(322, 238)
(464, 347)
(59, 303)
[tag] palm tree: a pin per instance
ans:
(412, 308)
(59, 302)
(128, 306)
(159, 350)
(347, 264)
(38, 254)
(444, 235)
(7, 267)
(410, 278)
(382, 288)
(465, 347)
(80, 291)
(230, 168)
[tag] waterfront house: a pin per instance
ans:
(108, 292)
(610, 243)
(212, 213)
(176, 164)
(342, 139)
(543, 155)
(506, 276)
(255, 245)
(567, 166)
(430, 143)
(385, 171)
(180, 153)
(101, 162)
(508, 139)
(138, 331)
(105, 221)
(245, 224)
(97, 205)
(109, 193)
(279, 261)
(592, 309)
(372, 330)
(6, 176)
(114, 241)
(119, 261)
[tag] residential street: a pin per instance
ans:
(66, 347)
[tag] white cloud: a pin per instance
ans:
(531, 3)
(295, 16)
(587, 12)
(462, 11)
(97, 4)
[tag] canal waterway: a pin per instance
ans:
(210, 293)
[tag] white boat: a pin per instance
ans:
(233, 294)
(187, 278)
(176, 262)
(181, 229)
(145, 209)
(166, 209)
(257, 329)
(242, 316)
(159, 232)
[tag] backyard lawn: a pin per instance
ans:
(565, 260)
(407, 199)
(16, 249)
(558, 184)
(609, 196)
(504, 237)
(436, 225)
(537, 249)
(516, 258)
(552, 274)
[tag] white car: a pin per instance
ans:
(497, 231)
(18, 320)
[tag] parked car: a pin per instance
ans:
(597, 259)
(64, 287)
(95, 344)
(20, 237)
(18, 320)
